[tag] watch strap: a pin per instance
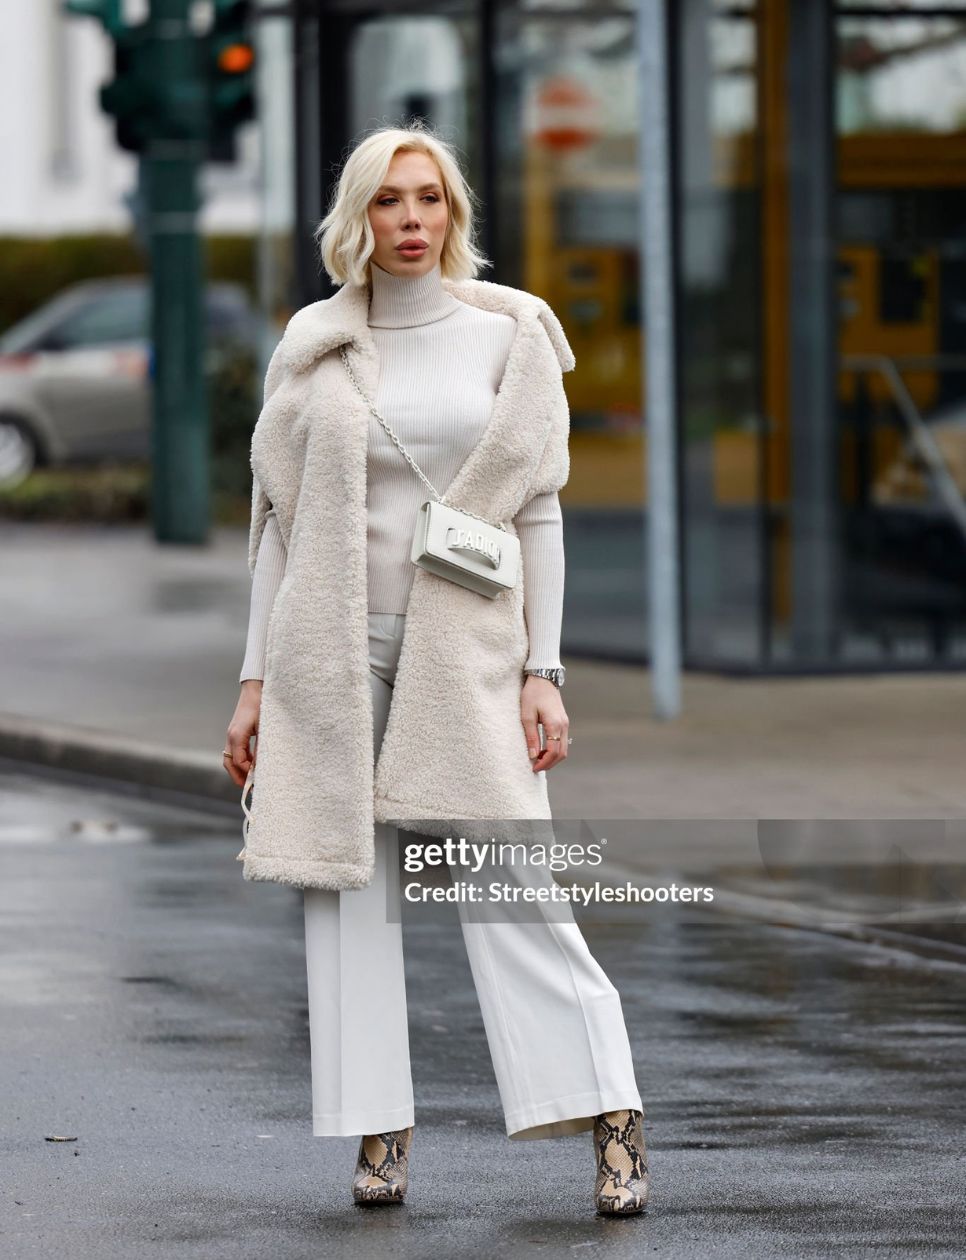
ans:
(555, 674)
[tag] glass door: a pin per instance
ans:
(901, 225)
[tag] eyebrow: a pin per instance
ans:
(392, 187)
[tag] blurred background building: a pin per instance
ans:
(820, 211)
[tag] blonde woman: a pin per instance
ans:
(379, 692)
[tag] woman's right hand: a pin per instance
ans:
(243, 725)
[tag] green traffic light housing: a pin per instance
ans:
(231, 76)
(131, 96)
(178, 85)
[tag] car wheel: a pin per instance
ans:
(19, 452)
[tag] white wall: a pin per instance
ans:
(62, 170)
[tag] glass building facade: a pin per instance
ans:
(820, 261)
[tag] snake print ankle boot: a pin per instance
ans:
(382, 1169)
(623, 1181)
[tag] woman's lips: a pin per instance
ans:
(414, 250)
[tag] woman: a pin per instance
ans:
(381, 693)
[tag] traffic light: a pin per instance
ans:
(130, 97)
(172, 84)
(231, 76)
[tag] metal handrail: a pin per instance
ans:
(925, 444)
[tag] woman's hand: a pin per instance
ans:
(243, 725)
(540, 702)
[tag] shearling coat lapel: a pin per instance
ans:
(454, 746)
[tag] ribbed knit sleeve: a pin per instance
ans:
(266, 579)
(539, 525)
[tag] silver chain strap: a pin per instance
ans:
(405, 454)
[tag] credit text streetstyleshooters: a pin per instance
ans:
(579, 893)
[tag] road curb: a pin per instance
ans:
(781, 913)
(85, 750)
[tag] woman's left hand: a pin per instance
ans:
(540, 702)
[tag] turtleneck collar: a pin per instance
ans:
(406, 301)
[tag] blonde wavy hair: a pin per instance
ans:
(345, 237)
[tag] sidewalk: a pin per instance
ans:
(121, 657)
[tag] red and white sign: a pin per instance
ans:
(566, 114)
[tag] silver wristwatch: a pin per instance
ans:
(555, 675)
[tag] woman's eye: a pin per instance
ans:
(385, 201)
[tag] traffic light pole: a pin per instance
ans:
(181, 448)
(180, 497)
(178, 99)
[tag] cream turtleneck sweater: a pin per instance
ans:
(441, 362)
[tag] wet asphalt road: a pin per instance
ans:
(805, 1093)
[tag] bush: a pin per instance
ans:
(109, 492)
(233, 406)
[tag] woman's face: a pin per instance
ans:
(409, 206)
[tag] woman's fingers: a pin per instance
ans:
(552, 716)
(552, 751)
(237, 742)
(235, 765)
(529, 718)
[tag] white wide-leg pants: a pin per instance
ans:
(553, 1020)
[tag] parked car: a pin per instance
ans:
(75, 373)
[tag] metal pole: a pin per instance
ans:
(180, 492)
(814, 507)
(320, 133)
(657, 286)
